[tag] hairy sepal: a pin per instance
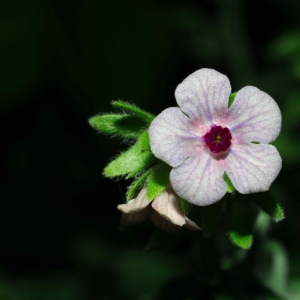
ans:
(132, 162)
(158, 181)
(268, 204)
(134, 110)
(138, 184)
(124, 125)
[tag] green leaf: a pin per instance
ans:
(230, 186)
(137, 185)
(128, 126)
(131, 162)
(158, 181)
(231, 99)
(185, 206)
(209, 215)
(268, 204)
(133, 109)
(241, 218)
(144, 141)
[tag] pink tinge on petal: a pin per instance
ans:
(137, 204)
(204, 95)
(253, 167)
(131, 219)
(164, 224)
(167, 204)
(253, 117)
(199, 179)
(191, 225)
(172, 136)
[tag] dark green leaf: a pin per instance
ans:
(158, 181)
(268, 204)
(137, 185)
(133, 109)
(209, 216)
(241, 218)
(122, 125)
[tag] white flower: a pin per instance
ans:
(204, 138)
(164, 212)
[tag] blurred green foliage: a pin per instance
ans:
(64, 61)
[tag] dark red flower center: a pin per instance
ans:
(218, 139)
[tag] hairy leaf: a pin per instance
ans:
(133, 109)
(137, 185)
(131, 162)
(268, 204)
(128, 126)
(158, 181)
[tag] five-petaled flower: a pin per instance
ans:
(164, 212)
(204, 138)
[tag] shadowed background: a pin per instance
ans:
(63, 62)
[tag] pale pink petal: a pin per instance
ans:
(137, 204)
(130, 219)
(171, 136)
(191, 225)
(199, 179)
(254, 117)
(167, 204)
(253, 167)
(204, 95)
(164, 224)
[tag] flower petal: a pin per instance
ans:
(130, 219)
(167, 204)
(137, 204)
(164, 224)
(199, 179)
(253, 167)
(172, 137)
(204, 95)
(254, 116)
(191, 225)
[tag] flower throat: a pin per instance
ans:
(218, 139)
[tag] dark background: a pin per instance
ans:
(62, 62)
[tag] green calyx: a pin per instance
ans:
(131, 123)
(158, 181)
(134, 110)
(230, 186)
(122, 125)
(231, 99)
(132, 162)
(267, 203)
